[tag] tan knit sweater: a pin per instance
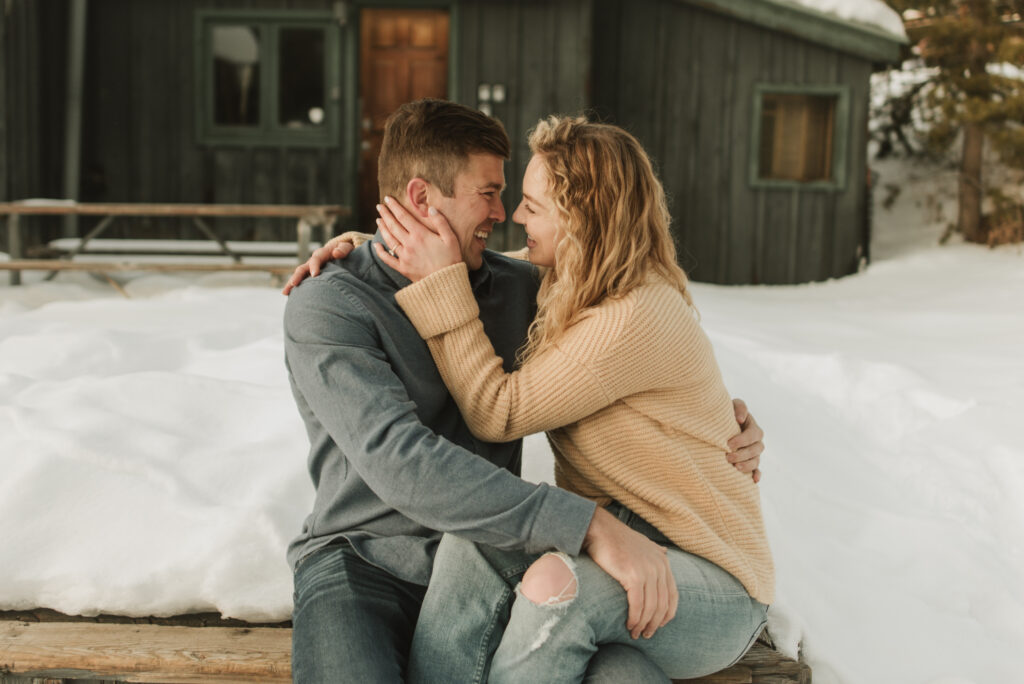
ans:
(634, 406)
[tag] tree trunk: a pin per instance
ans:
(970, 184)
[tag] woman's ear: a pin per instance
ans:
(416, 196)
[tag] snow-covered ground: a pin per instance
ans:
(153, 462)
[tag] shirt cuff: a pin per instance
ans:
(441, 302)
(562, 522)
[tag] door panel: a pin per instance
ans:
(403, 57)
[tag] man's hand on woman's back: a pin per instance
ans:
(746, 448)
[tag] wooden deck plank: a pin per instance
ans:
(146, 653)
(87, 651)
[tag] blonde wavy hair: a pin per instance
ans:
(614, 223)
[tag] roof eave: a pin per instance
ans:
(858, 39)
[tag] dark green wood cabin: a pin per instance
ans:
(753, 110)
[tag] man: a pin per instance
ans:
(393, 463)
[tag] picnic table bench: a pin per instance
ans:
(38, 647)
(308, 217)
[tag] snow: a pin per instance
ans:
(873, 13)
(154, 462)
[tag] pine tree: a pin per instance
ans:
(972, 94)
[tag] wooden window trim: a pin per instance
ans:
(839, 153)
(269, 132)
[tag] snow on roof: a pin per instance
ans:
(873, 13)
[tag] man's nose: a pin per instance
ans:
(498, 210)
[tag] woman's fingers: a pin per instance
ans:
(298, 275)
(390, 243)
(336, 248)
(386, 257)
(310, 267)
(441, 226)
(400, 220)
(417, 247)
(396, 230)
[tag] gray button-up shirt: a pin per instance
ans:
(391, 458)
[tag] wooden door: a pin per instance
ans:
(403, 57)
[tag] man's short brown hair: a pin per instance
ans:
(432, 140)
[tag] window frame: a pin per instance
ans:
(840, 136)
(269, 132)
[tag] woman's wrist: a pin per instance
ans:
(440, 302)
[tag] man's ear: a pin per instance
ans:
(416, 196)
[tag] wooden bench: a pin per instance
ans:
(43, 646)
(307, 216)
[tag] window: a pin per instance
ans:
(800, 136)
(269, 78)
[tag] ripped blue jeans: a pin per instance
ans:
(474, 627)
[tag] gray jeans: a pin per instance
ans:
(474, 627)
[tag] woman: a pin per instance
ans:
(618, 372)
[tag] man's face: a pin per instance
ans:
(476, 205)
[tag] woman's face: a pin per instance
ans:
(538, 214)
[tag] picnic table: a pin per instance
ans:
(307, 218)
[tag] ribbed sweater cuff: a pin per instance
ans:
(441, 302)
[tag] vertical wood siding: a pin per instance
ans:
(682, 80)
(35, 35)
(4, 61)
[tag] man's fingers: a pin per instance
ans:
(746, 460)
(635, 598)
(673, 600)
(648, 600)
(752, 434)
(668, 600)
(746, 467)
(660, 608)
(747, 453)
(651, 607)
(739, 407)
(756, 475)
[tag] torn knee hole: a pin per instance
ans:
(550, 580)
